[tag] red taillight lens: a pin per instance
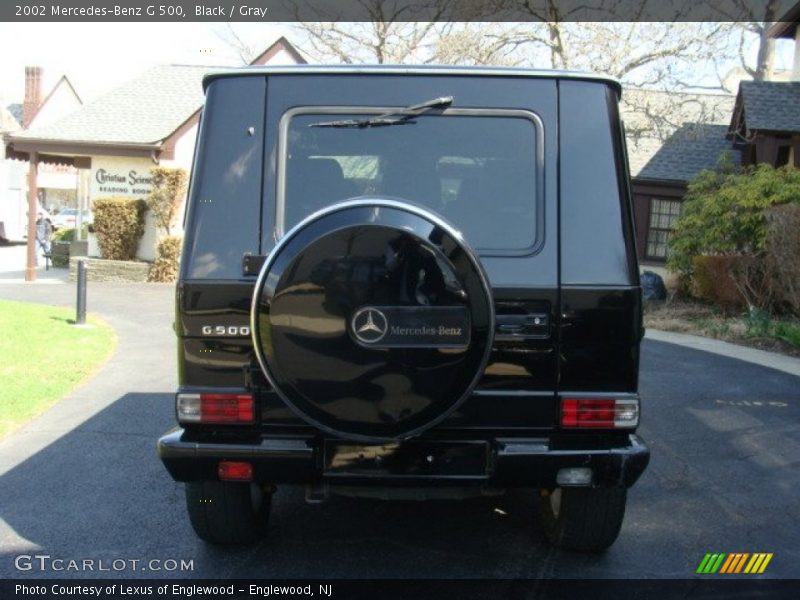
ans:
(617, 413)
(226, 408)
(229, 470)
(589, 412)
(215, 408)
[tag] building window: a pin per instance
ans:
(663, 214)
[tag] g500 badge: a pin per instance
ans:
(226, 330)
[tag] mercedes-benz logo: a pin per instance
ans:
(369, 325)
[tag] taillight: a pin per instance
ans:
(229, 470)
(215, 408)
(602, 413)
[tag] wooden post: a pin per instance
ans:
(33, 208)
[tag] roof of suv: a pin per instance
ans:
(412, 70)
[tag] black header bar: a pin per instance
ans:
(391, 10)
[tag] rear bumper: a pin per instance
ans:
(496, 462)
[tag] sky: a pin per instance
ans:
(98, 56)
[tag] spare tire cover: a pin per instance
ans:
(372, 319)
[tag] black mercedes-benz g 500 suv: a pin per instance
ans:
(408, 282)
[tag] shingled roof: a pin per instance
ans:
(144, 110)
(692, 148)
(771, 105)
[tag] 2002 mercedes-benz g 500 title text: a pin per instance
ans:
(408, 282)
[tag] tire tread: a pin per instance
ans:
(589, 518)
(222, 512)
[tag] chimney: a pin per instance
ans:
(33, 94)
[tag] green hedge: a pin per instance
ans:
(724, 212)
(119, 225)
(67, 234)
(64, 235)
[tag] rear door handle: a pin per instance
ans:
(529, 324)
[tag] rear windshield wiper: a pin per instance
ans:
(395, 117)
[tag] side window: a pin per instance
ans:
(222, 223)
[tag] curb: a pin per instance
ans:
(779, 362)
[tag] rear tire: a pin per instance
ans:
(583, 519)
(227, 513)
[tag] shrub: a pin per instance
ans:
(758, 323)
(168, 255)
(723, 213)
(713, 281)
(67, 234)
(787, 331)
(733, 282)
(169, 189)
(119, 224)
(64, 234)
(783, 255)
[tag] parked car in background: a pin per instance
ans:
(68, 217)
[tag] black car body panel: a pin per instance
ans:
(479, 462)
(567, 311)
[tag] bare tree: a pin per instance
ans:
(246, 52)
(646, 56)
(650, 54)
(669, 70)
(379, 42)
(657, 114)
(390, 36)
(477, 44)
(759, 17)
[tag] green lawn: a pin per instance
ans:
(43, 357)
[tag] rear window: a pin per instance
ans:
(480, 169)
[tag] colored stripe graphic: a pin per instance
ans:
(765, 563)
(724, 563)
(754, 563)
(738, 560)
(729, 563)
(740, 564)
(704, 563)
(711, 562)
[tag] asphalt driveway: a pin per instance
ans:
(83, 481)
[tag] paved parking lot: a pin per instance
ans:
(83, 480)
